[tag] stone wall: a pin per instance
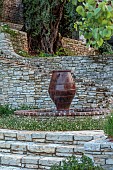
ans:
(32, 150)
(19, 41)
(75, 47)
(13, 11)
(27, 84)
(101, 152)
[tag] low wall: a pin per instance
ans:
(101, 152)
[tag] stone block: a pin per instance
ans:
(31, 160)
(41, 149)
(92, 147)
(24, 137)
(63, 149)
(48, 161)
(57, 137)
(14, 160)
(109, 161)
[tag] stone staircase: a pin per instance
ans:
(30, 150)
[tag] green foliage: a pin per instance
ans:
(42, 54)
(72, 163)
(70, 16)
(24, 53)
(108, 126)
(5, 110)
(106, 48)
(44, 20)
(52, 124)
(97, 21)
(6, 29)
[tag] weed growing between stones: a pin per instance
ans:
(72, 163)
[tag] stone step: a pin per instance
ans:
(9, 168)
(47, 149)
(18, 162)
(65, 137)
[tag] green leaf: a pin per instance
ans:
(107, 33)
(80, 10)
(104, 22)
(89, 15)
(88, 35)
(110, 27)
(100, 42)
(92, 2)
(110, 9)
(96, 11)
(76, 26)
(74, 2)
(95, 33)
(108, 14)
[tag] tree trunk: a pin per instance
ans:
(48, 43)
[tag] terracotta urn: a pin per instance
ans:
(62, 89)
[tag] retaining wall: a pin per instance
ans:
(12, 11)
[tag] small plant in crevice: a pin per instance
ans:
(73, 163)
(43, 54)
(6, 29)
(6, 110)
(60, 52)
(24, 53)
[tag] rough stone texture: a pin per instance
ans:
(75, 47)
(26, 81)
(26, 155)
(19, 41)
(13, 11)
(101, 151)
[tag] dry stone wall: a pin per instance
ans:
(75, 47)
(22, 83)
(13, 11)
(101, 152)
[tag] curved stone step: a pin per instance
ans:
(60, 150)
(17, 162)
(9, 168)
(66, 137)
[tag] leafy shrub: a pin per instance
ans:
(106, 48)
(6, 110)
(108, 126)
(72, 163)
